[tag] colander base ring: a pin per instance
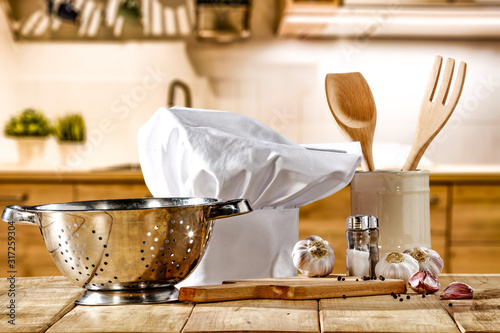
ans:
(121, 297)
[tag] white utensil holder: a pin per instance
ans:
(400, 201)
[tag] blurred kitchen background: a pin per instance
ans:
(276, 76)
(266, 59)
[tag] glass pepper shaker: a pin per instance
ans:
(373, 227)
(358, 246)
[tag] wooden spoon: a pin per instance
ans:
(353, 107)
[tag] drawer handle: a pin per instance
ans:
(14, 198)
(434, 200)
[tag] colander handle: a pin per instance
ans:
(228, 208)
(20, 215)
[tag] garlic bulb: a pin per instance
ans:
(313, 256)
(396, 265)
(424, 281)
(427, 260)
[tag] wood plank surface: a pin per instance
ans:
(39, 302)
(385, 314)
(474, 315)
(291, 289)
(47, 304)
(125, 318)
(254, 316)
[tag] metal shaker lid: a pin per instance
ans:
(372, 222)
(357, 222)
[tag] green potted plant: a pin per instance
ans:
(30, 129)
(69, 130)
(130, 10)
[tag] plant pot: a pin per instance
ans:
(69, 153)
(30, 150)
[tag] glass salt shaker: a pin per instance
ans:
(358, 246)
(373, 227)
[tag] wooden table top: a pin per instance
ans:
(47, 304)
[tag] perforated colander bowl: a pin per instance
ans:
(127, 244)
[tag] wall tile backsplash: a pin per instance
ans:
(119, 86)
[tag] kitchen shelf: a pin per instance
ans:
(30, 20)
(410, 19)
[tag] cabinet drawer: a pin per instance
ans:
(476, 214)
(475, 259)
(31, 255)
(111, 191)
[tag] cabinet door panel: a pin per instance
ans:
(111, 191)
(476, 214)
(31, 256)
(475, 259)
(438, 210)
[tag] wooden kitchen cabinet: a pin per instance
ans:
(111, 191)
(22, 188)
(475, 231)
(465, 216)
(31, 255)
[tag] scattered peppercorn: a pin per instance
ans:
(339, 278)
(450, 304)
(401, 299)
(382, 278)
(344, 296)
(423, 295)
(343, 279)
(357, 279)
(408, 297)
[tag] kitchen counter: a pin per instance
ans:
(46, 304)
(441, 174)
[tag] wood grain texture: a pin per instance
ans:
(300, 289)
(32, 257)
(39, 302)
(385, 314)
(476, 213)
(125, 318)
(436, 108)
(254, 316)
(474, 315)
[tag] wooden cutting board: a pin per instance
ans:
(299, 288)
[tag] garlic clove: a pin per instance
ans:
(313, 256)
(424, 281)
(457, 290)
(427, 259)
(396, 265)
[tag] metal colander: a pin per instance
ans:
(127, 245)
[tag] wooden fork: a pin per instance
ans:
(435, 110)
